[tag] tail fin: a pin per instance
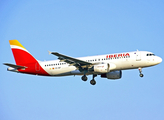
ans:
(21, 55)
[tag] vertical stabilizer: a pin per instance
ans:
(21, 55)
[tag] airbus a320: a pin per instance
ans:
(108, 66)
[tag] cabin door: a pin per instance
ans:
(138, 56)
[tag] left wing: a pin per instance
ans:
(72, 61)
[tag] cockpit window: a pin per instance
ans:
(150, 54)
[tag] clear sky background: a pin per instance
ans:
(82, 28)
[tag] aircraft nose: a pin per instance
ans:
(159, 60)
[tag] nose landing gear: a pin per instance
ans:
(140, 70)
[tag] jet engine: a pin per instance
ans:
(101, 68)
(112, 75)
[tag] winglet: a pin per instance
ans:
(49, 52)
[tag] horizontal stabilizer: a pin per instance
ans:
(15, 66)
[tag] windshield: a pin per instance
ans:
(150, 54)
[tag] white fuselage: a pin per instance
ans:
(118, 61)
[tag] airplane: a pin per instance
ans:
(108, 66)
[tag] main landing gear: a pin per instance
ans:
(93, 82)
(140, 70)
(84, 78)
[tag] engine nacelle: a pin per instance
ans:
(112, 75)
(101, 68)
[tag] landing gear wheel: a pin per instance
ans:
(140, 70)
(84, 78)
(141, 75)
(93, 82)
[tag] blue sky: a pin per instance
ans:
(82, 28)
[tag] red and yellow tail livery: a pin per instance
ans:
(26, 62)
(21, 55)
